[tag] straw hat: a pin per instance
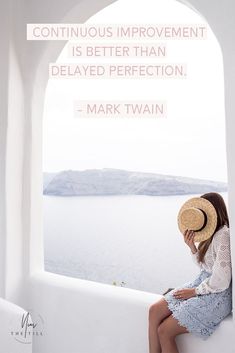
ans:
(199, 215)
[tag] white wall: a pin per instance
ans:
(4, 40)
(10, 322)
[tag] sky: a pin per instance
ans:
(190, 141)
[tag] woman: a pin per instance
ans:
(199, 305)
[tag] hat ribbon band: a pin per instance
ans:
(205, 220)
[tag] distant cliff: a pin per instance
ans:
(121, 182)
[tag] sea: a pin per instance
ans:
(130, 241)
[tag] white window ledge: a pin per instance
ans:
(99, 314)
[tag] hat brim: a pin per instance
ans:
(211, 214)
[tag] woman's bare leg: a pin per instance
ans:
(167, 332)
(157, 312)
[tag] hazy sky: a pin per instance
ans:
(189, 142)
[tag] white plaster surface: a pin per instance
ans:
(10, 321)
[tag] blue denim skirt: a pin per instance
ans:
(202, 314)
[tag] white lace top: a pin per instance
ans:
(217, 261)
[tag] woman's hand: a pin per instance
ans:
(189, 239)
(185, 293)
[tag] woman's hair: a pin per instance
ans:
(222, 219)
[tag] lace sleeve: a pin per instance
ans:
(221, 270)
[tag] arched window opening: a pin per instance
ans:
(112, 187)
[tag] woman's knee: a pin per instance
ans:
(162, 330)
(164, 333)
(158, 311)
(169, 329)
